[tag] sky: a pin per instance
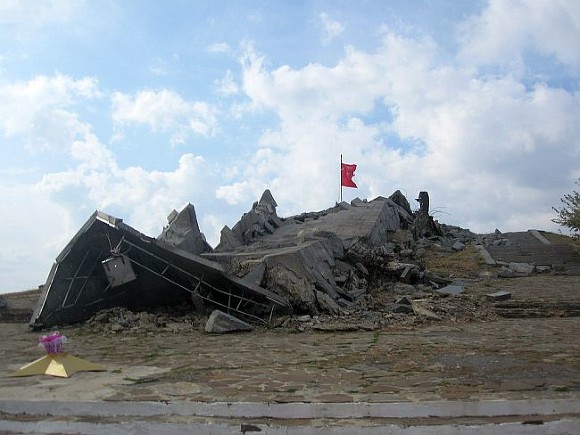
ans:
(138, 107)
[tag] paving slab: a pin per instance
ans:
(522, 368)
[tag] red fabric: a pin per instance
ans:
(346, 174)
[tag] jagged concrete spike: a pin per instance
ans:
(267, 198)
(183, 232)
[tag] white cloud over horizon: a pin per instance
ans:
(489, 125)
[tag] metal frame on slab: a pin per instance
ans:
(79, 283)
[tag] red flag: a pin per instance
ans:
(346, 174)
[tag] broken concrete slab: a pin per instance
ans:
(301, 252)
(452, 289)
(221, 323)
(79, 285)
(521, 269)
(487, 258)
(540, 237)
(500, 295)
(326, 303)
(324, 261)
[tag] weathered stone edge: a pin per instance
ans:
(441, 409)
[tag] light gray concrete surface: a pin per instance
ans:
(549, 428)
(439, 409)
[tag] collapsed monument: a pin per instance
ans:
(264, 265)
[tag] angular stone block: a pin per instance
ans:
(220, 323)
(500, 295)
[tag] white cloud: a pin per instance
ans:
(144, 197)
(218, 47)
(506, 29)
(330, 28)
(492, 150)
(42, 109)
(26, 18)
(227, 86)
(89, 177)
(165, 111)
(33, 230)
(159, 67)
(315, 91)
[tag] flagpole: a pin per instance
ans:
(340, 177)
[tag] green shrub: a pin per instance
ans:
(569, 214)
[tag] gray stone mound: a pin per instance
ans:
(334, 262)
(328, 261)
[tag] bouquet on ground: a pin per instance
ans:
(52, 343)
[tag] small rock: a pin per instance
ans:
(452, 289)
(405, 300)
(422, 311)
(521, 268)
(487, 275)
(401, 308)
(327, 304)
(220, 322)
(403, 289)
(458, 246)
(501, 295)
(506, 273)
(362, 269)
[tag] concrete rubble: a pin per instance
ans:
(364, 259)
(108, 264)
(220, 322)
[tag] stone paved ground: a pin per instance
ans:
(415, 361)
(507, 358)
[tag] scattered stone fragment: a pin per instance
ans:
(486, 274)
(522, 269)
(500, 295)
(487, 258)
(452, 289)
(458, 246)
(403, 289)
(420, 310)
(327, 304)
(405, 300)
(362, 269)
(220, 322)
(435, 280)
(506, 273)
(402, 308)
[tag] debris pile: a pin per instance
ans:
(121, 320)
(355, 265)
(332, 262)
